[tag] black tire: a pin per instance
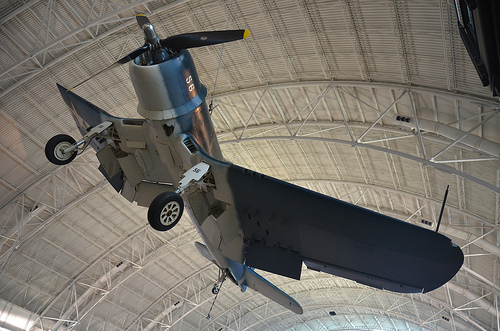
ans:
(53, 149)
(165, 211)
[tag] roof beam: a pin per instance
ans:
(81, 46)
(459, 95)
(437, 166)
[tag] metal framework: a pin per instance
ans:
(315, 104)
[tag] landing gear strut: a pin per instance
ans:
(62, 149)
(216, 289)
(166, 209)
(220, 281)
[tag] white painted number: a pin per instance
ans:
(189, 81)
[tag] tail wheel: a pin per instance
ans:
(165, 211)
(55, 149)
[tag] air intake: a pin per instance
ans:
(190, 145)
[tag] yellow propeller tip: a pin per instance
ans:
(246, 34)
(140, 15)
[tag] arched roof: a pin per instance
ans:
(311, 97)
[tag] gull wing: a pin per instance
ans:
(283, 225)
(127, 156)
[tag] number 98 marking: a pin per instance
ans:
(189, 81)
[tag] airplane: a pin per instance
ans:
(170, 161)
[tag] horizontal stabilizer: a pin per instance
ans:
(246, 277)
(259, 284)
(203, 250)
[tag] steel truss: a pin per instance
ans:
(25, 218)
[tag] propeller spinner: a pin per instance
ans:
(161, 48)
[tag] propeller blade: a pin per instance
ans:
(141, 20)
(132, 55)
(123, 60)
(199, 39)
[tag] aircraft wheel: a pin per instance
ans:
(215, 289)
(165, 211)
(54, 149)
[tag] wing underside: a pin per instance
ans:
(284, 225)
(127, 156)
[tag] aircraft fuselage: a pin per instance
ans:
(248, 219)
(171, 92)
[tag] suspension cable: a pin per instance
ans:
(210, 108)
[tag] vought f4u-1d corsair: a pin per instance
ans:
(170, 160)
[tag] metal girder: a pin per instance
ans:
(381, 116)
(54, 194)
(79, 46)
(265, 10)
(115, 276)
(308, 15)
(347, 123)
(354, 299)
(171, 298)
(465, 134)
(449, 52)
(440, 167)
(400, 26)
(462, 96)
(253, 112)
(353, 18)
(313, 108)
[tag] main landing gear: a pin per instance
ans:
(166, 209)
(62, 149)
(58, 149)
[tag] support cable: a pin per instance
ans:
(211, 106)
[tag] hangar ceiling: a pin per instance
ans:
(319, 95)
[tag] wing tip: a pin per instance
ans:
(298, 310)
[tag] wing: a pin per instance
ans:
(282, 225)
(127, 155)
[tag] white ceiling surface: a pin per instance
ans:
(310, 97)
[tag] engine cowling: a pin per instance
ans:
(168, 89)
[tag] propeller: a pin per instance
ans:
(200, 39)
(177, 42)
(141, 20)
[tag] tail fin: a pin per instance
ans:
(203, 250)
